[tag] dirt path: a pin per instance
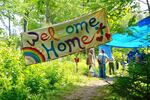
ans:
(88, 91)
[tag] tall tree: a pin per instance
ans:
(47, 10)
(148, 5)
(7, 12)
(36, 11)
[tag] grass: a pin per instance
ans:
(67, 90)
(104, 93)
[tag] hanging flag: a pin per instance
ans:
(65, 38)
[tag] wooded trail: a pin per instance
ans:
(88, 91)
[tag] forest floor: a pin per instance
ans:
(94, 90)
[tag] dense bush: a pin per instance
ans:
(136, 85)
(20, 82)
(11, 67)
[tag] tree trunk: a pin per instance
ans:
(9, 27)
(47, 12)
(25, 25)
(148, 6)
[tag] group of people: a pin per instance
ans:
(102, 59)
(135, 55)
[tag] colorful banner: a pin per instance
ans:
(65, 38)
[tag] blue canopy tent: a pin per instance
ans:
(140, 37)
(107, 50)
(145, 21)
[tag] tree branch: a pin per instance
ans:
(142, 1)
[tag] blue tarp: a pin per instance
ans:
(107, 50)
(145, 21)
(140, 38)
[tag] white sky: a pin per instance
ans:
(14, 29)
(143, 6)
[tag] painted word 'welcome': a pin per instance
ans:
(79, 26)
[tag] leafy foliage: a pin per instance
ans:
(136, 84)
(20, 82)
(36, 12)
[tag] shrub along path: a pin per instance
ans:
(88, 91)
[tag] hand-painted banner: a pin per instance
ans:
(65, 38)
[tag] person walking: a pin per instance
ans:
(102, 59)
(117, 63)
(90, 62)
(123, 63)
(111, 66)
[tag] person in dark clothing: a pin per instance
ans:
(142, 55)
(117, 63)
(111, 66)
(131, 56)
